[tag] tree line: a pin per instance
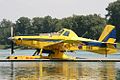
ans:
(89, 26)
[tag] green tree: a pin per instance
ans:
(37, 25)
(44, 25)
(114, 16)
(5, 32)
(23, 26)
(48, 24)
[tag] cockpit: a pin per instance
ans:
(64, 32)
(67, 32)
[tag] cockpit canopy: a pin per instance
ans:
(67, 32)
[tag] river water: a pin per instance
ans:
(60, 70)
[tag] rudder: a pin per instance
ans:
(108, 34)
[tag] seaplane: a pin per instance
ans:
(57, 43)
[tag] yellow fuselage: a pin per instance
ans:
(64, 40)
(46, 43)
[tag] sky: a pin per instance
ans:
(14, 9)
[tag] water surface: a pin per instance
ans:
(59, 70)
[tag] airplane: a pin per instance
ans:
(66, 40)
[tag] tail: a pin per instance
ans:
(108, 35)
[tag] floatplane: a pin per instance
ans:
(65, 40)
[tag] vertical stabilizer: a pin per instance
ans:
(108, 34)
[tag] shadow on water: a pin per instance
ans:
(59, 71)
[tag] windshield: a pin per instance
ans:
(66, 33)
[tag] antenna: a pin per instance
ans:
(84, 33)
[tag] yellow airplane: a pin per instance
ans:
(57, 43)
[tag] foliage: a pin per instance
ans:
(5, 26)
(23, 26)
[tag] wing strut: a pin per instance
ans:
(36, 52)
(41, 52)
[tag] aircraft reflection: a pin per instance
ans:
(63, 71)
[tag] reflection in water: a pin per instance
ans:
(62, 71)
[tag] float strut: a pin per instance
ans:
(36, 52)
(41, 52)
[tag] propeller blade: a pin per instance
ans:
(12, 43)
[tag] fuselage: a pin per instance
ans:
(55, 42)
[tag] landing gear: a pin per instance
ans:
(36, 52)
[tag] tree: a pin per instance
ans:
(23, 26)
(48, 24)
(113, 16)
(5, 32)
(37, 25)
(44, 25)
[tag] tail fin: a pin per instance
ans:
(108, 34)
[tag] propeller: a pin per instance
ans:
(12, 43)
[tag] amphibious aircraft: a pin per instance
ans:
(65, 40)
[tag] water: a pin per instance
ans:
(80, 54)
(59, 70)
